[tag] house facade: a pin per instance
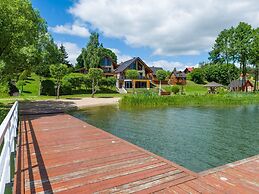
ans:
(177, 78)
(108, 67)
(143, 80)
(154, 78)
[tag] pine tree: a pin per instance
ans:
(63, 56)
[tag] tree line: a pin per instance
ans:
(26, 46)
(236, 46)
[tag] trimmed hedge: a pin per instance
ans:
(48, 88)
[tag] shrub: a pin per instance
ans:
(222, 91)
(221, 73)
(108, 82)
(48, 88)
(66, 89)
(87, 81)
(73, 80)
(197, 76)
(4, 89)
(175, 89)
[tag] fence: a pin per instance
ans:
(8, 130)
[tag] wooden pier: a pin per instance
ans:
(58, 153)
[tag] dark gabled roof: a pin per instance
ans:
(235, 84)
(155, 69)
(124, 65)
(238, 84)
(178, 74)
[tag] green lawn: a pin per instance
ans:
(31, 91)
(32, 86)
(192, 88)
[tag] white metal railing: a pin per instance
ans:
(8, 130)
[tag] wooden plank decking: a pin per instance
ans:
(58, 153)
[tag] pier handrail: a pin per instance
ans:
(8, 132)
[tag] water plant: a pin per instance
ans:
(230, 99)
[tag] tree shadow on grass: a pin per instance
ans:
(27, 92)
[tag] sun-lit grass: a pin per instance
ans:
(193, 88)
(32, 86)
(190, 88)
(31, 93)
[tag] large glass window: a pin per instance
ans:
(128, 84)
(133, 66)
(106, 62)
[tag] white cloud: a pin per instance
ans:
(75, 30)
(169, 27)
(170, 65)
(165, 64)
(120, 57)
(72, 49)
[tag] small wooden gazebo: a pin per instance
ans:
(212, 86)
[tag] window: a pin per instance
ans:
(106, 62)
(128, 84)
(139, 66)
(133, 66)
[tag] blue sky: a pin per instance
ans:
(173, 33)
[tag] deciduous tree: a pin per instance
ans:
(161, 75)
(58, 71)
(197, 76)
(21, 26)
(254, 56)
(132, 74)
(95, 74)
(243, 40)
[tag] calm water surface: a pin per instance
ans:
(196, 138)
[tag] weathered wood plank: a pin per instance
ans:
(61, 154)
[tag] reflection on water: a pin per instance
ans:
(196, 138)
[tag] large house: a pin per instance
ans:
(108, 67)
(144, 78)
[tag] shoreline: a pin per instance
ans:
(64, 105)
(82, 103)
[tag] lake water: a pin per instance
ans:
(196, 138)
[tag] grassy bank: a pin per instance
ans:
(3, 111)
(190, 100)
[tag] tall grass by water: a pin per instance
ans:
(230, 99)
(3, 112)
